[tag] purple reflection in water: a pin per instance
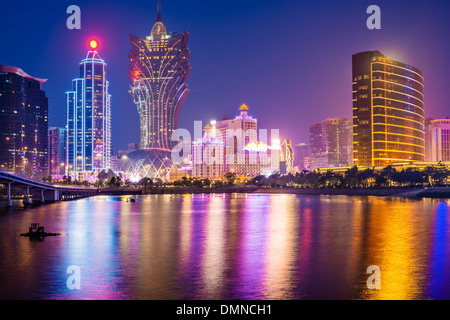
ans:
(439, 264)
(255, 246)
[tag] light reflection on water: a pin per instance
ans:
(235, 246)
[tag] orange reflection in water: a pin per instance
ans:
(396, 244)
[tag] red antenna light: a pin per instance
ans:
(93, 44)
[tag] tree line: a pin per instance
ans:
(352, 178)
(355, 178)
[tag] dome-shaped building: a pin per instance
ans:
(147, 163)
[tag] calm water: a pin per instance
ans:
(229, 247)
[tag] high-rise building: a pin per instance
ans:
(56, 151)
(317, 147)
(440, 140)
(88, 121)
(301, 156)
(337, 133)
(330, 143)
(428, 139)
(159, 69)
(388, 110)
(286, 158)
(23, 123)
(208, 156)
(236, 134)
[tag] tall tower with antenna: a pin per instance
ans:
(159, 69)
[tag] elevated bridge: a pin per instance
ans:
(45, 192)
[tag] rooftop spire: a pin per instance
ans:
(159, 31)
(158, 17)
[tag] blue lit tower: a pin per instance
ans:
(88, 122)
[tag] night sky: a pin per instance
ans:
(289, 61)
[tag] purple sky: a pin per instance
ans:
(289, 61)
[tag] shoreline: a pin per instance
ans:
(436, 192)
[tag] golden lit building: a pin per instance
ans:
(388, 111)
(236, 134)
(159, 69)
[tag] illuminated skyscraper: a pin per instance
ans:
(56, 151)
(337, 133)
(301, 156)
(317, 147)
(23, 122)
(159, 69)
(388, 111)
(88, 121)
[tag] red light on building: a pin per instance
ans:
(93, 44)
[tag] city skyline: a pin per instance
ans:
(301, 152)
(213, 94)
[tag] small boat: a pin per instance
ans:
(36, 231)
(132, 200)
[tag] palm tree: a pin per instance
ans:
(230, 177)
(389, 173)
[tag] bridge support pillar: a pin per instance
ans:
(26, 199)
(9, 203)
(50, 195)
(42, 196)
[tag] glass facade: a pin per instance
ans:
(56, 150)
(88, 121)
(23, 123)
(388, 111)
(317, 147)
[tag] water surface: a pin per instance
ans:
(218, 246)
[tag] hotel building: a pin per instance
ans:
(440, 140)
(88, 118)
(388, 111)
(236, 134)
(159, 69)
(208, 156)
(23, 123)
